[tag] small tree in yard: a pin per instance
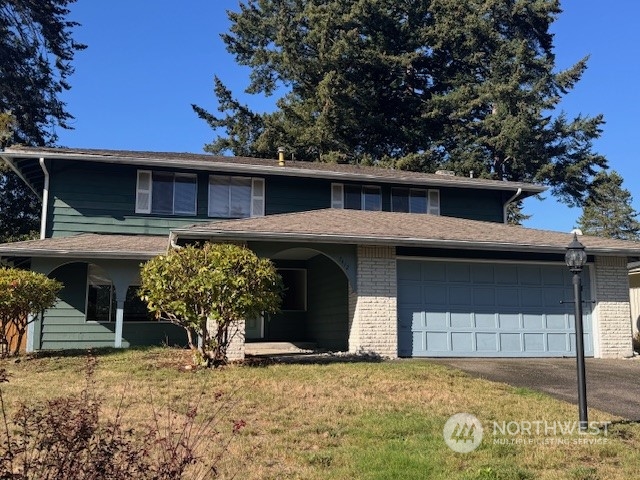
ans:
(208, 290)
(23, 293)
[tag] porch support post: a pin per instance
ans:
(31, 331)
(119, 322)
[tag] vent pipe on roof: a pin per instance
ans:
(281, 156)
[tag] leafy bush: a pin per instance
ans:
(23, 293)
(208, 290)
(67, 438)
(636, 342)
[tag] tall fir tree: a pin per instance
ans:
(417, 85)
(36, 51)
(607, 212)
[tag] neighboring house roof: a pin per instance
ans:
(400, 229)
(89, 245)
(260, 166)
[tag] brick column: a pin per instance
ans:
(235, 350)
(373, 311)
(612, 310)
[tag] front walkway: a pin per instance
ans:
(613, 386)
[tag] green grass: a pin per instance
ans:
(340, 420)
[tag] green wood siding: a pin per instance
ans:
(287, 195)
(328, 310)
(64, 326)
(484, 205)
(100, 198)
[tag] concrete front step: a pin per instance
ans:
(278, 348)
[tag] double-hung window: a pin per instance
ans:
(235, 197)
(166, 193)
(415, 200)
(356, 197)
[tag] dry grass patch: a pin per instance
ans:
(343, 420)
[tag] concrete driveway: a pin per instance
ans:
(613, 386)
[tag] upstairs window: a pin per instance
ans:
(415, 200)
(236, 197)
(166, 193)
(355, 197)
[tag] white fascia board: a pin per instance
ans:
(203, 165)
(393, 241)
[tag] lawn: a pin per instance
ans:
(340, 419)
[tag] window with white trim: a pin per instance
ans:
(166, 193)
(236, 197)
(101, 299)
(356, 197)
(415, 200)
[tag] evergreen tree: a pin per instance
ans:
(415, 84)
(607, 212)
(36, 50)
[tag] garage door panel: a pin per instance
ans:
(531, 297)
(529, 275)
(434, 273)
(532, 321)
(460, 296)
(461, 320)
(507, 297)
(486, 342)
(510, 342)
(436, 295)
(557, 322)
(484, 296)
(411, 294)
(534, 342)
(436, 320)
(437, 341)
(487, 310)
(486, 321)
(462, 341)
(482, 273)
(508, 321)
(458, 273)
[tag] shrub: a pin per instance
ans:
(636, 342)
(67, 438)
(208, 290)
(23, 293)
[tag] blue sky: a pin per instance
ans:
(147, 62)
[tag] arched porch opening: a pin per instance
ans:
(315, 306)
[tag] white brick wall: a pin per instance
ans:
(235, 350)
(612, 310)
(373, 312)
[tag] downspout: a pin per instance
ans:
(45, 199)
(506, 205)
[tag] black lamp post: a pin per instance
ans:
(575, 259)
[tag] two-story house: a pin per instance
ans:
(376, 260)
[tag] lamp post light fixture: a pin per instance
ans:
(576, 258)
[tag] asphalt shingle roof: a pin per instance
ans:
(270, 166)
(90, 245)
(365, 227)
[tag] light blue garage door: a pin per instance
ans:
(467, 309)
